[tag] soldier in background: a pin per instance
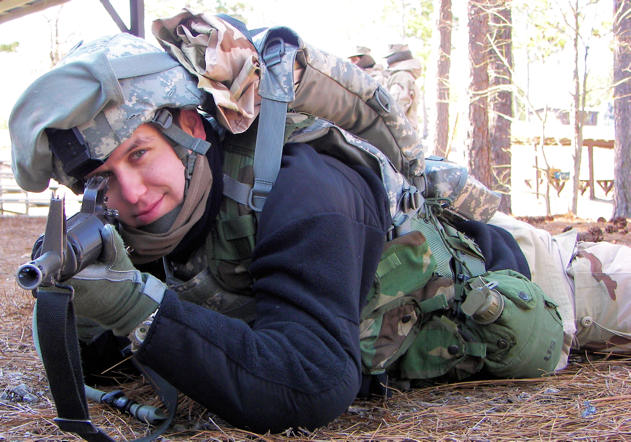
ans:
(403, 70)
(365, 61)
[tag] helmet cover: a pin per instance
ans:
(103, 90)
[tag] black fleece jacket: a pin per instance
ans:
(319, 239)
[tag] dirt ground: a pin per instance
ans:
(615, 231)
(588, 400)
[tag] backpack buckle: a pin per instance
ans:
(256, 197)
(274, 51)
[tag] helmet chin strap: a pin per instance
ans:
(164, 120)
(186, 147)
(184, 144)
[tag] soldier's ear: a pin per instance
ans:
(190, 122)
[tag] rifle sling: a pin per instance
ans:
(59, 347)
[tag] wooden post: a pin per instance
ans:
(590, 153)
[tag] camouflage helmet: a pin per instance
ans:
(400, 58)
(71, 119)
(365, 59)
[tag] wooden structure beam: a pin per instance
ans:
(12, 9)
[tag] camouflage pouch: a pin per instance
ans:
(503, 325)
(393, 313)
(440, 349)
(518, 323)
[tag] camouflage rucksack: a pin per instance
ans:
(292, 79)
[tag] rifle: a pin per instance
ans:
(67, 247)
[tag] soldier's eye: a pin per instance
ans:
(137, 154)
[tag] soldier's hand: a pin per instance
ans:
(112, 291)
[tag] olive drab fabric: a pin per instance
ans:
(199, 42)
(548, 258)
(517, 334)
(216, 276)
(525, 340)
(415, 285)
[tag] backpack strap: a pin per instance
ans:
(278, 48)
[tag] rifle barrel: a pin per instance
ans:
(31, 275)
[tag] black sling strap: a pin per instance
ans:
(59, 347)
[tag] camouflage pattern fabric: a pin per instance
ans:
(379, 74)
(419, 324)
(225, 62)
(356, 103)
(591, 283)
(143, 95)
(403, 88)
(438, 352)
(445, 179)
(404, 200)
(352, 100)
(522, 339)
(476, 201)
(435, 351)
(468, 197)
(392, 315)
(602, 280)
(84, 91)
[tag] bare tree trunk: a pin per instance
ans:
(501, 65)
(622, 108)
(479, 139)
(53, 23)
(576, 118)
(444, 64)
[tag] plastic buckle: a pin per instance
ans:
(274, 51)
(256, 199)
(163, 118)
(411, 199)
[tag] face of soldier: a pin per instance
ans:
(146, 178)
